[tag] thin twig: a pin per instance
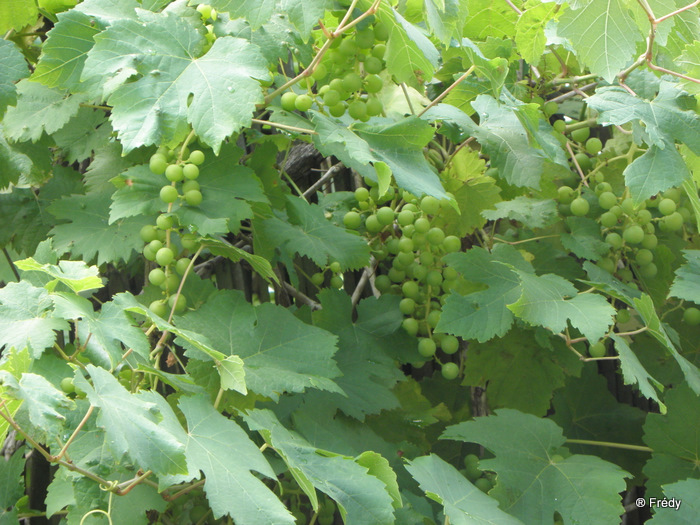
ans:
(300, 296)
(12, 264)
(283, 126)
(326, 176)
(408, 100)
(364, 278)
(447, 91)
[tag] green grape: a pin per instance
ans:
(623, 316)
(392, 245)
(648, 271)
(352, 82)
(180, 304)
(190, 185)
(155, 245)
(190, 171)
(357, 110)
(607, 264)
(581, 134)
(607, 200)
(614, 240)
(289, 101)
(156, 277)
(420, 272)
(67, 385)
(584, 161)
(352, 220)
(372, 224)
(435, 236)
(374, 107)
(691, 316)
(608, 219)
(422, 225)
(625, 274)
(559, 126)
(165, 222)
(148, 233)
(433, 318)
(565, 194)
(550, 108)
(426, 258)
(159, 308)
(174, 173)
(303, 102)
(331, 97)
(410, 289)
(410, 325)
(471, 465)
(318, 278)
(181, 265)
(406, 258)
(450, 371)
(347, 46)
(686, 214)
(189, 241)
(164, 256)
(674, 194)
(433, 278)
(597, 349)
(579, 206)
(361, 194)
(407, 306)
(364, 38)
(171, 283)
(196, 157)
(336, 282)
(385, 215)
(149, 254)
(667, 206)
(373, 84)
(168, 194)
(335, 267)
(326, 519)
(643, 217)
(193, 197)
(406, 244)
(429, 205)
(633, 234)
(643, 257)
(158, 164)
(650, 241)
(397, 276)
(627, 206)
(617, 210)
(602, 188)
(373, 65)
(405, 217)
(320, 72)
(673, 222)
(451, 244)
(594, 145)
(382, 283)
(450, 274)
(426, 347)
(449, 344)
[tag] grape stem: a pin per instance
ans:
(326, 176)
(284, 126)
(578, 167)
(364, 278)
(624, 446)
(447, 91)
(408, 99)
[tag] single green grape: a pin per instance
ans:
(550, 108)
(158, 164)
(597, 349)
(336, 282)
(429, 205)
(357, 110)
(196, 157)
(406, 244)
(581, 134)
(164, 256)
(623, 316)
(374, 107)
(648, 271)
(67, 385)
(614, 240)
(451, 244)
(584, 161)
(148, 233)
(352, 220)
(435, 236)
(179, 302)
(303, 102)
(155, 245)
(426, 347)
(189, 241)
(407, 306)
(174, 173)
(650, 241)
(361, 194)
(449, 344)
(608, 219)
(607, 200)
(190, 171)
(579, 206)
(168, 194)
(644, 257)
(289, 101)
(373, 65)
(565, 194)
(159, 308)
(450, 371)
(691, 316)
(373, 84)
(410, 325)
(594, 145)
(385, 215)
(181, 265)
(156, 276)
(673, 222)
(165, 222)
(633, 234)
(352, 82)
(193, 197)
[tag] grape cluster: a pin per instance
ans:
(410, 248)
(484, 481)
(160, 238)
(348, 78)
(208, 13)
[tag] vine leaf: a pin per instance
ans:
(308, 232)
(365, 351)
(530, 31)
(132, 424)
(603, 34)
(464, 503)
(12, 68)
(216, 93)
(584, 238)
(39, 109)
(399, 145)
(550, 301)
(280, 353)
(532, 213)
(532, 483)
(482, 314)
(494, 364)
(686, 285)
(11, 485)
(686, 492)
(26, 319)
(256, 12)
(15, 14)
(634, 372)
(362, 497)
(676, 451)
(76, 275)
(230, 485)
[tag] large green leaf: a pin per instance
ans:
(550, 301)
(307, 232)
(26, 319)
(362, 497)
(76, 275)
(482, 315)
(256, 12)
(603, 34)
(219, 448)
(39, 109)
(633, 372)
(132, 425)
(366, 351)
(533, 483)
(304, 15)
(685, 495)
(15, 14)
(280, 353)
(515, 371)
(532, 213)
(216, 93)
(530, 31)
(12, 68)
(11, 485)
(464, 503)
(686, 285)
(676, 450)
(398, 145)
(489, 19)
